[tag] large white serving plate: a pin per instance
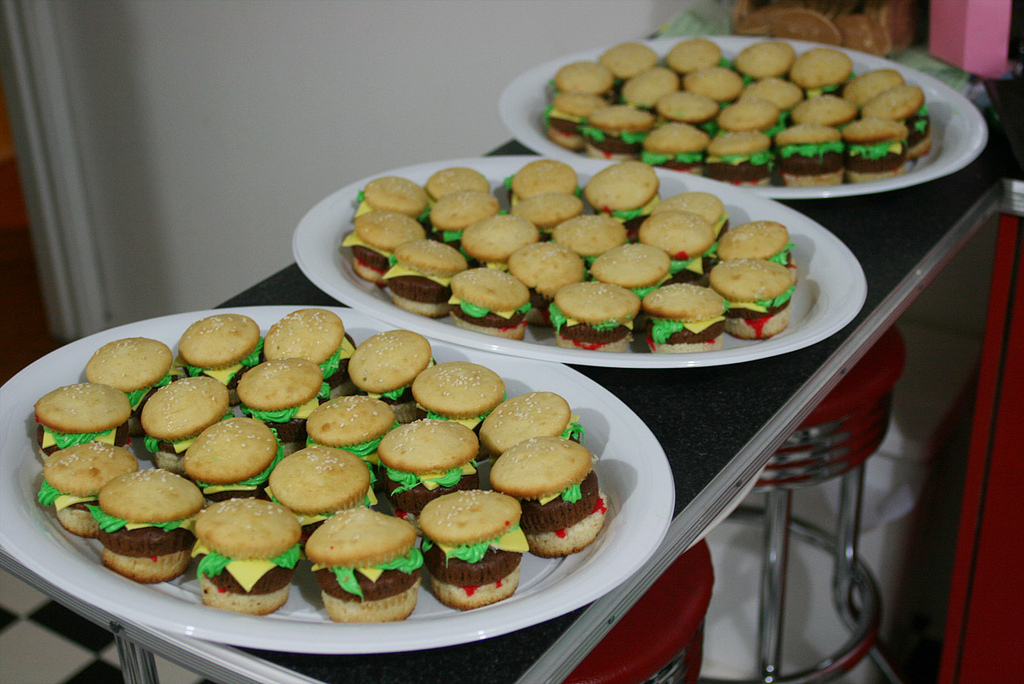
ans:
(633, 472)
(959, 131)
(830, 291)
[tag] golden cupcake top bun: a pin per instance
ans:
(872, 130)
(280, 384)
(693, 54)
(740, 143)
(389, 360)
(820, 67)
(458, 389)
(82, 469)
(469, 517)
(231, 451)
(644, 89)
(360, 537)
(750, 280)
(621, 118)
(585, 77)
(594, 302)
(685, 107)
(753, 240)
(676, 138)
(623, 186)
(319, 480)
(219, 341)
(863, 87)
(349, 420)
(385, 230)
(490, 289)
(719, 83)
(590, 235)
(150, 496)
(83, 407)
(494, 239)
(129, 364)
(543, 176)
(578, 104)
(541, 466)
(430, 257)
(749, 114)
(455, 179)
(684, 302)
(393, 193)
(547, 266)
(896, 103)
(680, 234)
(632, 265)
(628, 59)
(312, 334)
(765, 59)
(184, 408)
(548, 210)
(807, 134)
(827, 110)
(246, 529)
(456, 211)
(704, 204)
(782, 93)
(527, 415)
(427, 446)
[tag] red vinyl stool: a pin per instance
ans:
(834, 441)
(661, 638)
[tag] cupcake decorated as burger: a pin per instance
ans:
(741, 158)
(393, 193)
(489, 243)
(684, 318)
(374, 238)
(175, 415)
(317, 335)
(758, 294)
(454, 212)
(233, 459)
(541, 177)
(421, 274)
(282, 394)
(594, 316)
(688, 239)
(533, 414)
(627, 191)
(354, 424)
(491, 302)
(73, 477)
(546, 267)
(567, 113)
(876, 149)
(759, 240)
(223, 347)
(458, 391)
(81, 413)
(384, 365)
(137, 366)
(616, 132)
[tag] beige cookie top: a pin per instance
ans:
(548, 210)
(83, 407)
(219, 341)
(458, 389)
(349, 420)
(541, 466)
(750, 280)
(873, 130)
(469, 517)
(459, 209)
(393, 193)
(231, 451)
(590, 235)
(546, 267)
(719, 83)
(684, 302)
(782, 93)
(632, 265)
(427, 446)
(579, 105)
(594, 302)
(753, 240)
(765, 59)
(621, 118)
(495, 238)
(863, 87)
(828, 110)
(680, 234)
(693, 54)
(644, 89)
(280, 384)
(692, 108)
(896, 103)
(150, 496)
(184, 408)
(820, 67)
(360, 537)
(491, 289)
(585, 76)
(676, 138)
(129, 364)
(628, 59)
(749, 114)
(245, 529)
(742, 143)
(542, 176)
(312, 334)
(81, 469)
(318, 480)
(430, 257)
(389, 360)
(623, 186)
(703, 204)
(527, 415)
(385, 230)
(455, 179)
(807, 134)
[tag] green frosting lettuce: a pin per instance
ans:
(109, 523)
(66, 439)
(756, 159)
(451, 235)
(559, 319)
(213, 563)
(921, 123)
(479, 312)
(407, 481)
(777, 301)
(597, 135)
(782, 256)
(664, 328)
(876, 151)
(573, 431)
(654, 159)
(409, 563)
(48, 494)
(395, 394)
(642, 292)
(331, 365)
(572, 494)
(470, 553)
(136, 396)
(818, 150)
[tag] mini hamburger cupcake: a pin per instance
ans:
(73, 477)
(750, 114)
(757, 294)
(223, 347)
(546, 267)
(175, 415)
(384, 365)
(904, 104)
(876, 149)
(81, 413)
(393, 193)
(137, 366)
(687, 238)
(767, 240)
(627, 191)
(740, 158)
(821, 70)
(810, 155)
(426, 459)
(721, 84)
(765, 59)
(704, 204)
(490, 242)
(556, 485)
(490, 302)
(533, 414)
(628, 59)
(146, 520)
(684, 318)
(826, 110)
(693, 54)
(459, 391)
(282, 394)
(317, 335)
(420, 276)
(590, 235)
(454, 212)
(367, 566)
(594, 316)
(616, 132)
(566, 113)
(645, 89)
(316, 483)
(374, 238)
(354, 424)
(863, 87)
(233, 459)
(697, 110)
(586, 77)
(472, 547)
(541, 177)
(548, 210)
(637, 267)
(248, 549)
(453, 179)
(676, 146)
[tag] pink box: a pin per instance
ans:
(971, 34)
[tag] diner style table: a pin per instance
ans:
(718, 426)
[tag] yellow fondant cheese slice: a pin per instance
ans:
(504, 314)
(399, 270)
(65, 500)
(213, 489)
(306, 409)
(371, 573)
(700, 326)
(249, 572)
(573, 321)
(105, 437)
(747, 305)
(224, 375)
(428, 479)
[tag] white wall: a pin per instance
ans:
(208, 128)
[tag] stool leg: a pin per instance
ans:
(847, 530)
(773, 581)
